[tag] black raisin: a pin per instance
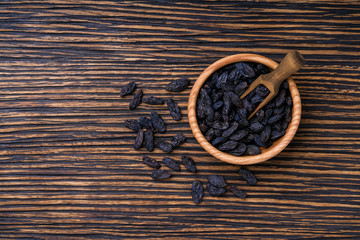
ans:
(197, 191)
(256, 127)
(164, 146)
(171, 163)
(200, 107)
(240, 88)
(222, 79)
(128, 89)
(262, 91)
(229, 145)
(252, 150)
(287, 114)
(279, 110)
(146, 123)
(218, 140)
(268, 114)
(239, 135)
(227, 106)
(151, 162)
(249, 138)
(203, 127)
(234, 74)
(275, 134)
(153, 100)
(284, 125)
(228, 86)
(149, 140)
(248, 176)
(177, 140)
(275, 118)
(217, 132)
(158, 123)
(247, 105)
(216, 96)
(239, 150)
(237, 192)
(230, 130)
(276, 126)
(210, 134)
(246, 69)
(256, 99)
(260, 115)
(241, 112)
(215, 191)
(265, 134)
(178, 85)
(161, 174)
(232, 115)
(189, 163)
(280, 98)
(258, 141)
(235, 100)
(133, 125)
(139, 139)
(174, 109)
(218, 105)
(221, 125)
(217, 180)
(136, 100)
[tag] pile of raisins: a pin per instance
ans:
(147, 127)
(223, 116)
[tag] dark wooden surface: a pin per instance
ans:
(68, 169)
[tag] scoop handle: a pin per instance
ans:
(290, 64)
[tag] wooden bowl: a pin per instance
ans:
(266, 153)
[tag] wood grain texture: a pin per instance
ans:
(67, 166)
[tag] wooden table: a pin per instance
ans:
(68, 167)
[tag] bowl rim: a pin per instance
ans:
(267, 153)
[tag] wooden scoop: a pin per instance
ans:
(290, 64)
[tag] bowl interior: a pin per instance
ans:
(266, 153)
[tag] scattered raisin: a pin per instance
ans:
(174, 109)
(133, 125)
(153, 100)
(237, 192)
(248, 176)
(171, 163)
(164, 146)
(128, 89)
(149, 140)
(160, 174)
(177, 140)
(157, 122)
(178, 85)
(189, 163)
(136, 100)
(215, 191)
(146, 123)
(217, 180)
(139, 139)
(151, 162)
(197, 191)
